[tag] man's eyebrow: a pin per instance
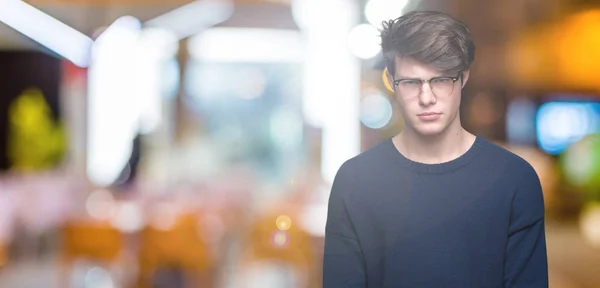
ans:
(417, 78)
(408, 77)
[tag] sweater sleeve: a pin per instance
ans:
(526, 262)
(343, 264)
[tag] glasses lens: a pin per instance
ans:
(409, 88)
(442, 87)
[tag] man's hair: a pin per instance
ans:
(429, 37)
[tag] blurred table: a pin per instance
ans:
(572, 263)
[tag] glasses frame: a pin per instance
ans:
(423, 81)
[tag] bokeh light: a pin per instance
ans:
(364, 41)
(560, 124)
(378, 11)
(128, 217)
(375, 111)
(283, 222)
(164, 216)
(98, 277)
(590, 224)
(280, 239)
(581, 163)
(100, 204)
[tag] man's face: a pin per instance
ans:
(428, 108)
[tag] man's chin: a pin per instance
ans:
(429, 130)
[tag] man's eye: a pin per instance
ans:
(410, 82)
(442, 80)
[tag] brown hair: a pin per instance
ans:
(429, 37)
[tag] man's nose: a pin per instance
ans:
(427, 98)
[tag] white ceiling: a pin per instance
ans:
(86, 19)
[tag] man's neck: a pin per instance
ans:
(436, 149)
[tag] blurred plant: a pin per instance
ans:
(35, 141)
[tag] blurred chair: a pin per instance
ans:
(97, 241)
(280, 246)
(3, 254)
(176, 247)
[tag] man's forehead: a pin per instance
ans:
(406, 66)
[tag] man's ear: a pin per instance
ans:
(465, 78)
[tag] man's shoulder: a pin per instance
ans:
(365, 163)
(525, 184)
(515, 165)
(369, 158)
(358, 171)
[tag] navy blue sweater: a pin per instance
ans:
(476, 221)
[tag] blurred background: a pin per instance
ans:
(149, 143)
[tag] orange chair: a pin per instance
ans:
(3, 255)
(97, 241)
(276, 237)
(179, 246)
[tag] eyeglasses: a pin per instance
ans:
(412, 87)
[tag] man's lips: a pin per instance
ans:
(429, 116)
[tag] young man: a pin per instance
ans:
(434, 206)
